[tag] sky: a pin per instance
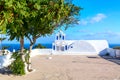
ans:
(99, 20)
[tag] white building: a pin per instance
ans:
(78, 47)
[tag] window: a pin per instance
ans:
(56, 37)
(60, 36)
(57, 48)
(62, 48)
(66, 47)
(54, 47)
(63, 37)
(71, 47)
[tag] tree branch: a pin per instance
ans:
(29, 39)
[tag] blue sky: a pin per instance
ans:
(100, 19)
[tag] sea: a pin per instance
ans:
(16, 47)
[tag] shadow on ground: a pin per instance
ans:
(109, 58)
(93, 57)
(114, 60)
(5, 71)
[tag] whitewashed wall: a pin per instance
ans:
(85, 47)
(40, 52)
(5, 60)
(114, 52)
(117, 53)
(100, 46)
(111, 52)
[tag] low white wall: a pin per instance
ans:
(40, 52)
(111, 52)
(35, 52)
(5, 60)
(73, 53)
(117, 53)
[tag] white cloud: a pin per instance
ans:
(83, 22)
(97, 18)
(102, 35)
(83, 31)
(110, 34)
(90, 34)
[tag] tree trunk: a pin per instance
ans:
(21, 45)
(29, 60)
(31, 45)
(32, 42)
(22, 48)
(22, 52)
(30, 49)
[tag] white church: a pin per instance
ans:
(78, 47)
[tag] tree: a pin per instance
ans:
(34, 18)
(12, 14)
(39, 46)
(51, 15)
(1, 39)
